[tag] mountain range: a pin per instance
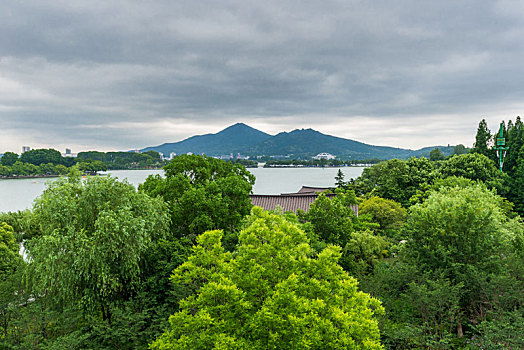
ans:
(299, 143)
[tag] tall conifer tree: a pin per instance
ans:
(484, 141)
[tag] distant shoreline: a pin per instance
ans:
(14, 177)
(317, 166)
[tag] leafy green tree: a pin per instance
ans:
(517, 194)
(362, 252)
(10, 265)
(447, 182)
(437, 302)
(5, 171)
(202, 193)
(92, 166)
(332, 219)
(484, 141)
(273, 293)
(61, 169)
(8, 159)
(94, 236)
(465, 234)
(459, 149)
(515, 141)
(46, 168)
(504, 332)
(339, 179)
(395, 179)
(475, 167)
(8, 250)
(436, 154)
(24, 169)
(389, 214)
(42, 156)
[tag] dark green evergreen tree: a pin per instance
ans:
(484, 141)
(514, 141)
(518, 188)
(339, 179)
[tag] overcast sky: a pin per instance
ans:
(119, 75)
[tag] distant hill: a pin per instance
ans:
(234, 139)
(310, 142)
(241, 138)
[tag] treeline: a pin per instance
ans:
(318, 162)
(50, 162)
(435, 155)
(34, 162)
(248, 163)
(124, 160)
(185, 262)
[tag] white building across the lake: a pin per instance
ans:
(324, 156)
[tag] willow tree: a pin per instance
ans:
(93, 237)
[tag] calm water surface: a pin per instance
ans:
(19, 194)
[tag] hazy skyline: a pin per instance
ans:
(121, 75)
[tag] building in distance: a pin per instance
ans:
(324, 156)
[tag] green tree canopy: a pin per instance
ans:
(339, 179)
(517, 194)
(203, 194)
(460, 149)
(9, 158)
(484, 141)
(273, 293)
(436, 154)
(42, 156)
(9, 256)
(93, 238)
(473, 166)
(386, 212)
(514, 142)
(332, 219)
(464, 235)
(395, 179)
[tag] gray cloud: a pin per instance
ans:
(129, 74)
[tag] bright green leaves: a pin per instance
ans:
(272, 293)
(387, 213)
(203, 194)
(9, 257)
(94, 235)
(331, 219)
(456, 227)
(395, 179)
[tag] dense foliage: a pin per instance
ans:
(440, 243)
(94, 236)
(273, 293)
(122, 160)
(40, 162)
(203, 194)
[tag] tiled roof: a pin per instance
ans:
(307, 189)
(293, 201)
(289, 202)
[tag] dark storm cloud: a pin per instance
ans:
(122, 74)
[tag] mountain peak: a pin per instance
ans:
(238, 127)
(241, 138)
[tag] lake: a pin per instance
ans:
(18, 194)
